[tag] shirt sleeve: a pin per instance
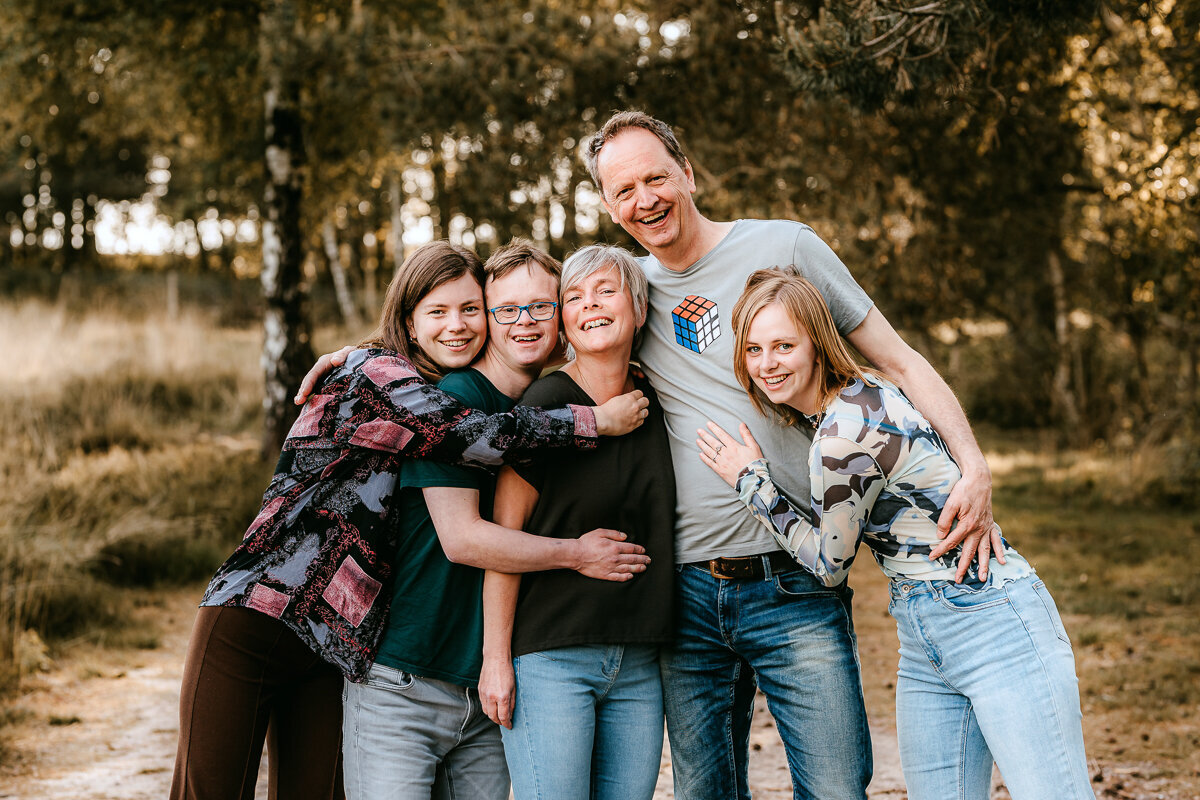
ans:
(377, 400)
(424, 473)
(823, 538)
(847, 301)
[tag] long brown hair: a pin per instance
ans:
(804, 305)
(427, 268)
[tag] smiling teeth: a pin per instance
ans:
(526, 338)
(654, 219)
(596, 323)
(774, 380)
(455, 342)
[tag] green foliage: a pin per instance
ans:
(873, 51)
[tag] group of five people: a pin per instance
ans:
(540, 624)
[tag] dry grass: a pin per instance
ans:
(130, 458)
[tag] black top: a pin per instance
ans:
(626, 484)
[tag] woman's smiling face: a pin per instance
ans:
(449, 323)
(781, 359)
(598, 313)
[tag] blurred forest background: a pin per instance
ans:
(195, 196)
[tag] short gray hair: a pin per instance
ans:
(591, 259)
(623, 121)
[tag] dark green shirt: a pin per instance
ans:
(436, 625)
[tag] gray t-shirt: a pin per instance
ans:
(687, 352)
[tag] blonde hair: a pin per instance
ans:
(426, 269)
(804, 305)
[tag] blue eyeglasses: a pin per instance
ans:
(507, 315)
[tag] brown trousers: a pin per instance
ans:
(247, 679)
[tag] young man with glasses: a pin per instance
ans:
(415, 726)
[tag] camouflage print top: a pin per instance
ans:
(317, 556)
(879, 473)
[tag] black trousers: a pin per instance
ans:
(249, 679)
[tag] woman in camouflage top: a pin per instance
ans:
(986, 670)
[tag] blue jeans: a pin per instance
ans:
(405, 737)
(796, 637)
(986, 673)
(588, 723)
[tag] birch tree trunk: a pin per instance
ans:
(287, 341)
(340, 287)
(396, 234)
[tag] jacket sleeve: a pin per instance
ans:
(823, 537)
(377, 400)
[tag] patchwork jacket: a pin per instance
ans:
(318, 555)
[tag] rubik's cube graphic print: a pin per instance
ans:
(696, 325)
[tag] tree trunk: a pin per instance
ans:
(441, 187)
(1065, 402)
(396, 234)
(570, 234)
(340, 286)
(287, 340)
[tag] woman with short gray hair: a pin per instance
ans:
(571, 666)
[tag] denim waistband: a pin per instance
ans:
(903, 588)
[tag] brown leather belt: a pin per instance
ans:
(748, 567)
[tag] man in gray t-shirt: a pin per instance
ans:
(748, 612)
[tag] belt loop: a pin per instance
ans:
(768, 572)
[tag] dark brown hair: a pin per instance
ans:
(427, 268)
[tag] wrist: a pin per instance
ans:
(568, 554)
(602, 424)
(977, 469)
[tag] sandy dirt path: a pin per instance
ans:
(122, 745)
(102, 724)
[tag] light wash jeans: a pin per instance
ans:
(587, 725)
(796, 636)
(410, 738)
(986, 672)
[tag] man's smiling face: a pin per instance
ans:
(645, 191)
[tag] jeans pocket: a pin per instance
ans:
(964, 599)
(802, 583)
(1043, 594)
(389, 679)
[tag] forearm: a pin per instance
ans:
(486, 545)
(500, 592)
(437, 426)
(792, 528)
(379, 401)
(932, 396)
